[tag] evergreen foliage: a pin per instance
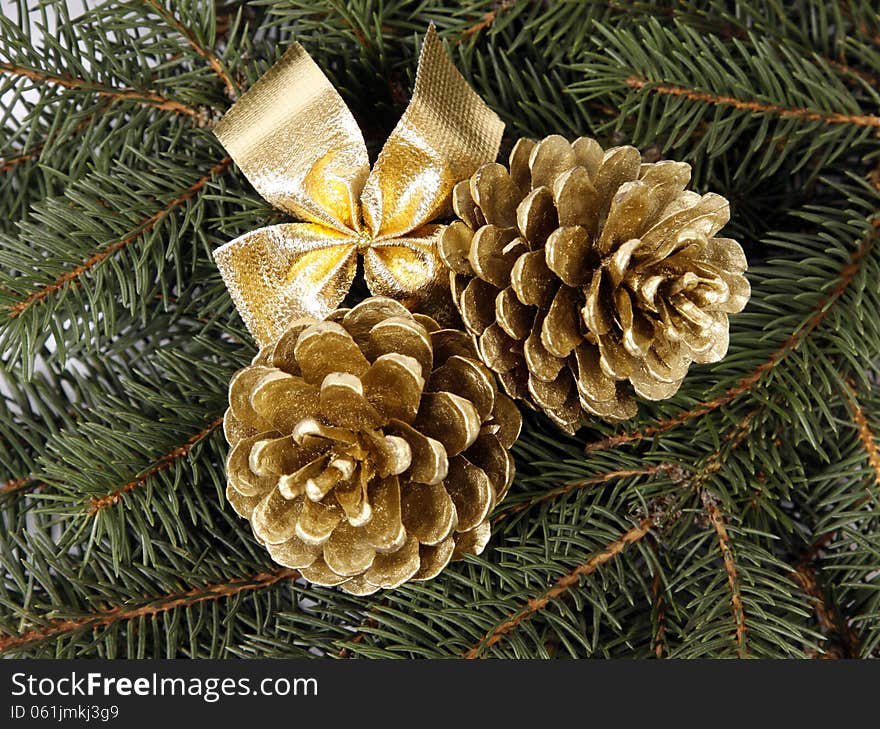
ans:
(738, 519)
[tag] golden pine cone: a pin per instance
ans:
(581, 270)
(369, 449)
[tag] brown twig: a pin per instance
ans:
(863, 120)
(855, 73)
(344, 652)
(206, 53)
(731, 441)
(9, 163)
(488, 18)
(56, 628)
(745, 384)
(145, 98)
(562, 585)
(859, 25)
(660, 613)
(19, 307)
(96, 504)
(739, 614)
(866, 435)
(28, 483)
(360, 635)
(829, 618)
(485, 22)
(583, 483)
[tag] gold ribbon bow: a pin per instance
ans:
(295, 139)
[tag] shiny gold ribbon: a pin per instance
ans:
(294, 138)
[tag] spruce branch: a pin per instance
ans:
(861, 120)
(146, 98)
(11, 162)
(19, 485)
(54, 629)
(658, 610)
(489, 17)
(124, 364)
(563, 490)
(162, 463)
(762, 98)
(563, 584)
(739, 615)
(19, 307)
(205, 52)
(730, 441)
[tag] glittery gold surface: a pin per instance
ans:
(585, 276)
(368, 450)
(296, 141)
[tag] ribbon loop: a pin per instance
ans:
(298, 144)
(445, 134)
(282, 272)
(296, 141)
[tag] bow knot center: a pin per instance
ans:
(364, 241)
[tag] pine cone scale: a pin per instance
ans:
(434, 558)
(532, 280)
(568, 254)
(326, 348)
(496, 195)
(553, 156)
(497, 349)
(275, 518)
(400, 336)
(429, 513)
(394, 568)
(491, 255)
(477, 300)
(619, 165)
(294, 552)
(592, 383)
(277, 394)
(385, 532)
(347, 552)
(319, 573)
(493, 458)
(471, 493)
(541, 363)
(393, 385)
(514, 317)
(317, 520)
(560, 332)
(572, 191)
(429, 458)
(456, 241)
(470, 378)
(536, 217)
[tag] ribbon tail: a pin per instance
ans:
(445, 134)
(280, 273)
